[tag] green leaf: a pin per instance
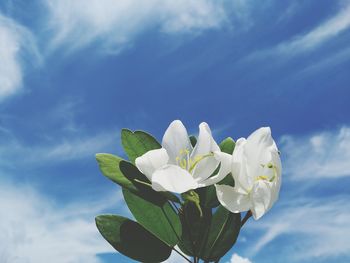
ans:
(155, 214)
(223, 233)
(227, 145)
(137, 143)
(131, 239)
(194, 228)
(109, 166)
(193, 140)
(208, 196)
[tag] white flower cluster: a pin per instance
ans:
(254, 164)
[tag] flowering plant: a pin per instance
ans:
(188, 193)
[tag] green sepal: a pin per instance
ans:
(227, 145)
(192, 197)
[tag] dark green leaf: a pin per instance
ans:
(137, 143)
(194, 228)
(193, 140)
(228, 180)
(154, 213)
(109, 166)
(208, 196)
(133, 174)
(223, 233)
(131, 239)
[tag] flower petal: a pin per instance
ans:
(225, 168)
(176, 140)
(231, 199)
(258, 149)
(205, 145)
(151, 161)
(173, 178)
(243, 182)
(261, 198)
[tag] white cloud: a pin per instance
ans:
(34, 229)
(175, 257)
(15, 41)
(115, 23)
(314, 38)
(328, 62)
(13, 152)
(322, 33)
(321, 155)
(322, 227)
(238, 259)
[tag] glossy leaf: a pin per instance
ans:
(194, 228)
(109, 166)
(131, 239)
(137, 143)
(154, 213)
(223, 233)
(193, 140)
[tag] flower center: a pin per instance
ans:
(185, 162)
(271, 176)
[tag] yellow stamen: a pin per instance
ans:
(198, 159)
(183, 164)
(265, 177)
(262, 177)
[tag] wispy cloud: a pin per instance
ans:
(15, 42)
(238, 259)
(317, 224)
(322, 33)
(328, 62)
(13, 152)
(175, 257)
(311, 40)
(114, 24)
(320, 155)
(34, 229)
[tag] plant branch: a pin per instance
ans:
(246, 217)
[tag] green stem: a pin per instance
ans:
(246, 217)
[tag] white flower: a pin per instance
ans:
(256, 169)
(178, 167)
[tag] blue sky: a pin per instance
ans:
(73, 73)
